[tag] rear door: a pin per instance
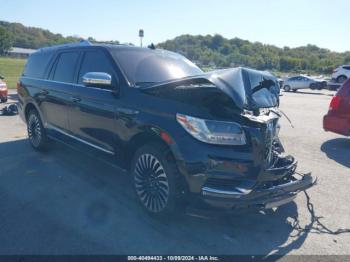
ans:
(92, 115)
(58, 90)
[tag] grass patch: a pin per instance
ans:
(11, 69)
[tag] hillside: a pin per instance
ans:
(221, 52)
(32, 37)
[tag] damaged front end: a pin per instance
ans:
(277, 183)
(254, 171)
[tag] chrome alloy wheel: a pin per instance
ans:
(34, 130)
(151, 183)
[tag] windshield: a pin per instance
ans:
(144, 66)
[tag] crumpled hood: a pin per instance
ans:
(249, 89)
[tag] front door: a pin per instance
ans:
(92, 115)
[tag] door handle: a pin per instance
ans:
(75, 99)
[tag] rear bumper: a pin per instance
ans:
(337, 124)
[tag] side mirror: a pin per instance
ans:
(97, 79)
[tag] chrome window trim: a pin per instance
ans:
(79, 139)
(48, 80)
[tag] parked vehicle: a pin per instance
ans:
(182, 134)
(322, 79)
(337, 119)
(301, 82)
(3, 90)
(341, 73)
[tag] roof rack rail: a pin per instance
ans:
(80, 43)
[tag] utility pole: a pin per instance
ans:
(141, 34)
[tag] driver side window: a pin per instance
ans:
(95, 61)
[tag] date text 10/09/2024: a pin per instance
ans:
(173, 258)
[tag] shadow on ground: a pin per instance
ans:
(66, 202)
(338, 149)
(309, 93)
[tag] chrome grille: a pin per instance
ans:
(224, 184)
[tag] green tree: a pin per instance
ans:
(5, 40)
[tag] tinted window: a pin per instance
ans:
(143, 66)
(95, 61)
(37, 64)
(65, 67)
(346, 67)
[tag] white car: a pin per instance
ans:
(341, 73)
(301, 82)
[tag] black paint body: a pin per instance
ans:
(121, 119)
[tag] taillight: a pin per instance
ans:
(334, 71)
(335, 103)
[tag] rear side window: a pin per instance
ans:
(65, 67)
(346, 67)
(95, 61)
(37, 64)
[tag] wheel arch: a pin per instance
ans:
(30, 106)
(151, 135)
(342, 75)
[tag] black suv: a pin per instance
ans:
(181, 133)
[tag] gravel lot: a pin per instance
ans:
(67, 202)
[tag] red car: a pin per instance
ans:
(3, 90)
(338, 118)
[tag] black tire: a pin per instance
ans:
(36, 131)
(156, 180)
(341, 79)
(287, 88)
(4, 100)
(313, 86)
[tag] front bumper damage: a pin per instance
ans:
(278, 185)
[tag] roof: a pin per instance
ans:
(19, 50)
(84, 43)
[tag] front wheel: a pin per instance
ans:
(341, 79)
(36, 131)
(156, 179)
(287, 88)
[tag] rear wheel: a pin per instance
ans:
(313, 86)
(156, 179)
(36, 131)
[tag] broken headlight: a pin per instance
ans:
(211, 131)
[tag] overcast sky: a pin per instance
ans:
(283, 23)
